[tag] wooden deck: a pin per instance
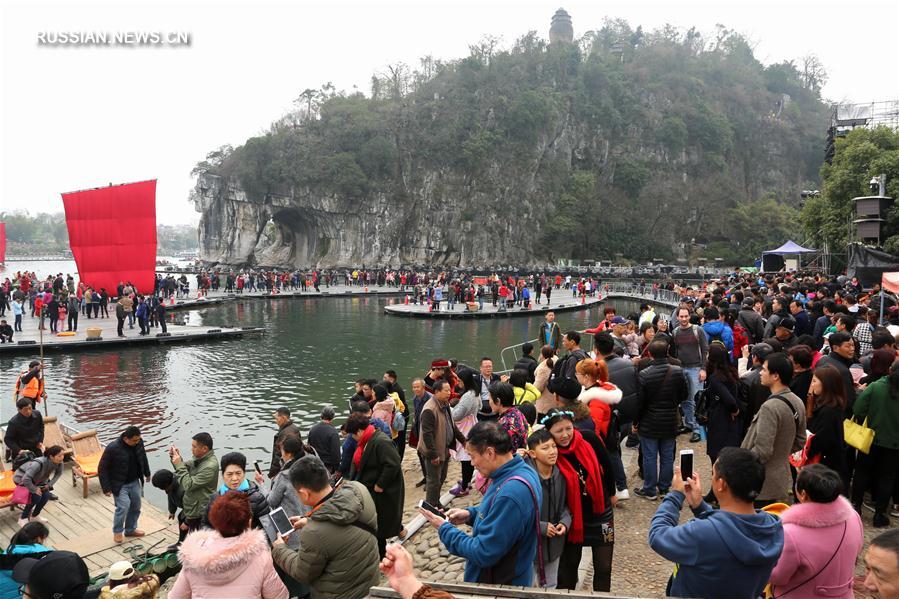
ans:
(85, 526)
(475, 591)
(28, 341)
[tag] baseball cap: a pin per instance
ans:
(440, 363)
(787, 323)
(619, 320)
(58, 575)
(120, 571)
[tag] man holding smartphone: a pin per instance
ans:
(727, 553)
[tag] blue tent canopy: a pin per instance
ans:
(790, 248)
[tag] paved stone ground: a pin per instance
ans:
(637, 570)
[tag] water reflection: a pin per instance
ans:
(313, 350)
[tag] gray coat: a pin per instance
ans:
(553, 510)
(36, 473)
(773, 435)
(283, 495)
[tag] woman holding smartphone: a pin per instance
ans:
(590, 483)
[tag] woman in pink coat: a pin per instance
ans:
(233, 561)
(822, 538)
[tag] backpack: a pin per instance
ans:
(22, 459)
(741, 339)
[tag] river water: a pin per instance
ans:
(312, 351)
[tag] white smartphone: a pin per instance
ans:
(281, 522)
(686, 463)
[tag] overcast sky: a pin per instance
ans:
(79, 117)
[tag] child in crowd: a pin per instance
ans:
(164, 480)
(555, 517)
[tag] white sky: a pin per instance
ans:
(75, 118)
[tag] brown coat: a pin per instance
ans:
(773, 435)
(435, 422)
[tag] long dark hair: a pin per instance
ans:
(28, 535)
(832, 392)
(719, 363)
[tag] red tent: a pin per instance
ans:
(112, 233)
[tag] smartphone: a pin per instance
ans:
(686, 463)
(258, 469)
(281, 522)
(427, 506)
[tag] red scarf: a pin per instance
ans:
(584, 453)
(360, 447)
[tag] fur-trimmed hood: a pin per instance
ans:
(218, 559)
(819, 515)
(607, 393)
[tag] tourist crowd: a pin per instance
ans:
(765, 370)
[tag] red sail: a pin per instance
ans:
(2, 243)
(112, 233)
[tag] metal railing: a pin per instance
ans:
(624, 290)
(642, 292)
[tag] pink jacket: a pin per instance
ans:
(215, 567)
(812, 533)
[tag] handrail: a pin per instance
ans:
(514, 356)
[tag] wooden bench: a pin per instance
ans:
(53, 436)
(86, 452)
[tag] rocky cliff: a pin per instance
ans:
(636, 145)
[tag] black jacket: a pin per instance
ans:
(570, 362)
(842, 365)
(753, 323)
(24, 433)
(528, 364)
(324, 438)
(623, 374)
(258, 505)
(754, 392)
(288, 429)
(724, 430)
(661, 388)
(115, 463)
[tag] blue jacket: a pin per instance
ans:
(504, 523)
(718, 330)
(719, 554)
(9, 588)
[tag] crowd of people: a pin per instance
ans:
(765, 370)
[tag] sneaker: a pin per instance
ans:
(695, 438)
(881, 521)
(868, 506)
(650, 495)
(684, 430)
(895, 511)
(135, 533)
(623, 495)
(458, 490)
(52, 496)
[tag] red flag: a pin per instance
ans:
(2, 243)
(112, 233)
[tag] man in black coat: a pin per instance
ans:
(841, 357)
(286, 427)
(661, 388)
(752, 321)
(25, 430)
(122, 470)
(527, 362)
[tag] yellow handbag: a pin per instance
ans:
(858, 435)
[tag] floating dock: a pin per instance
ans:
(566, 303)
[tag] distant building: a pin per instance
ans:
(561, 31)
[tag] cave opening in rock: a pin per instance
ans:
(294, 239)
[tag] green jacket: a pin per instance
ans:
(338, 559)
(198, 479)
(882, 411)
